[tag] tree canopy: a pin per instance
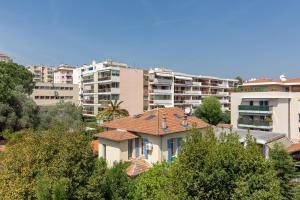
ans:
(210, 110)
(113, 111)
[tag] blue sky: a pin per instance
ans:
(257, 38)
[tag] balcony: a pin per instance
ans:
(161, 102)
(193, 92)
(88, 101)
(255, 109)
(88, 91)
(103, 90)
(88, 80)
(106, 78)
(162, 81)
(193, 102)
(103, 103)
(161, 91)
(259, 124)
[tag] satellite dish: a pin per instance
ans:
(187, 110)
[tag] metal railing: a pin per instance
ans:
(254, 122)
(254, 108)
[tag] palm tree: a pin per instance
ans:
(113, 111)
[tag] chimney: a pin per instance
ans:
(185, 122)
(164, 124)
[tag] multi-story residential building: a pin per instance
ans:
(66, 74)
(168, 88)
(42, 73)
(109, 80)
(268, 105)
(5, 58)
(47, 94)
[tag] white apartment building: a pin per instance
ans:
(42, 73)
(66, 74)
(268, 105)
(168, 88)
(5, 58)
(109, 80)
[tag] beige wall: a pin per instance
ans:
(47, 96)
(281, 115)
(131, 90)
(113, 152)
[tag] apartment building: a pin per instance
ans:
(110, 80)
(5, 58)
(268, 105)
(42, 73)
(168, 88)
(66, 74)
(47, 94)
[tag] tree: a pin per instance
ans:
(240, 80)
(210, 110)
(153, 184)
(17, 110)
(65, 114)
(57, 158)
(13, 75)
(225, 117)
(120, 186)
(221, 168)
(284, 166)
(113, 111)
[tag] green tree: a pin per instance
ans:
(284, 166)
(153, 184)
(240, 80)
(225, 117)
(63, 159)
(221, 168)
(120, 186)
(113, 111)
(64, 114)
(11, 76)
(210, 110)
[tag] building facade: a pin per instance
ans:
(109, 80)
(66, 74)
(48, 94)
(154, 136)
(168, 89)
(5, 58)
(42, 73)
(268, 105)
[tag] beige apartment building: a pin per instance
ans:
(66, 74)
(5, 58)
(47, 94)
(168, 88)
(42, 73)
(109, 80)
(268, 105)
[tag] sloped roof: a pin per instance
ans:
(137, 167)
(116, 135)
(150, 122)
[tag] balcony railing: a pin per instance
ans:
(106, 78)
(254, 108)
(104, 90)
(88, 91)
(254, 122)
(88, 101)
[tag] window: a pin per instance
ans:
(130, 149)
(115, 85)
(174, 147)
(115, 72)
(136, 147)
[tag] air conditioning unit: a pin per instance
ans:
(149, 146)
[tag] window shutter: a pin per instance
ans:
(136, 147)
(170, 147)
(178, 145)
(129, 149)
(145, 148)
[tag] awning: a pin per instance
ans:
(184, 78)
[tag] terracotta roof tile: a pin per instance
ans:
(294, 148)
(137, 167)
(116, 135)
(150, 122)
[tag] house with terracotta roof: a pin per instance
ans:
(148, 138)
(268, 105)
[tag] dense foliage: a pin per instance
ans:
(210, 111)
(62, 114)
(285, 169)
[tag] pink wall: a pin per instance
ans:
(131, 90)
